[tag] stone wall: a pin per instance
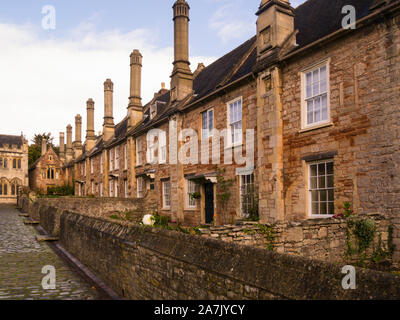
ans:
(149, 263)
(323, 239)
(94, 207)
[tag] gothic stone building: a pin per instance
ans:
(320, 101)
(47, 171)
(13, 166)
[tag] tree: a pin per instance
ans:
(35, 149)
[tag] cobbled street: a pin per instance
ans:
(22, 259)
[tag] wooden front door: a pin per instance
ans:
(209, 202)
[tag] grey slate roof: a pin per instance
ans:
(6, 140)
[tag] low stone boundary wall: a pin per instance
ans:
(107, 208)
(149, 263)
(323, 239)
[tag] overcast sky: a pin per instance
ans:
(48, 75)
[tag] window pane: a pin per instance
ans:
(330, 182)
(331, 195)
(313, 183)
(317, 109)
(324, 106)
(314, 196)
(310, 111)
(204, 115)
(329, 167)
(313, 170)
(321, 169)
(321, 182)
(323, 208)
(323, 195)
(315, 208)
(211, 121)
(331, 208)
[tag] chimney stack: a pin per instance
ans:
(108, 126)
(275, 23)
(90, 136)
(44, 146)
(70, 153)
(135, 108)
(62, 147)
(78, 136)
(182, 77)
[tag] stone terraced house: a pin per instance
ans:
(13, 166)
(320, 101)
(47, 171)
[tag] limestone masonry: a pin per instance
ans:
(308, 110)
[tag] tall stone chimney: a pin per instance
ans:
(275, 23)
(44, 147)
(182, 77)
(78, 136)
(90, 135)
(70, 152)
(108, 125)
(62, 147)
(135, 108)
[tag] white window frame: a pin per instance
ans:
(139, 151)
(111, 191)
(243, 187)
(140, 187)
(162, 148)
(93, 188)
(310, 190)
(229, 124)
(190, 188)
(304, 98)
(126, 191)
(207, 132)
(91, 166)
(101, 164)
(110, 160)
(116, 188)
(116, 156)
(166, 194)
(101, 189)
(126, 157)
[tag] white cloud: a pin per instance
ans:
(229, 24)
(46, 81)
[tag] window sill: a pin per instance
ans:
(166, 209)
(316, 127)
(190, 209)
(321, 216)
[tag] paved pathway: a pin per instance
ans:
(22, 259)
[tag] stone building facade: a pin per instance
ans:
(13, 166)
(47, 171)
(316, 103)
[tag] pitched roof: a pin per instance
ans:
(216, 73)
(314, 20)
(6, 140)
